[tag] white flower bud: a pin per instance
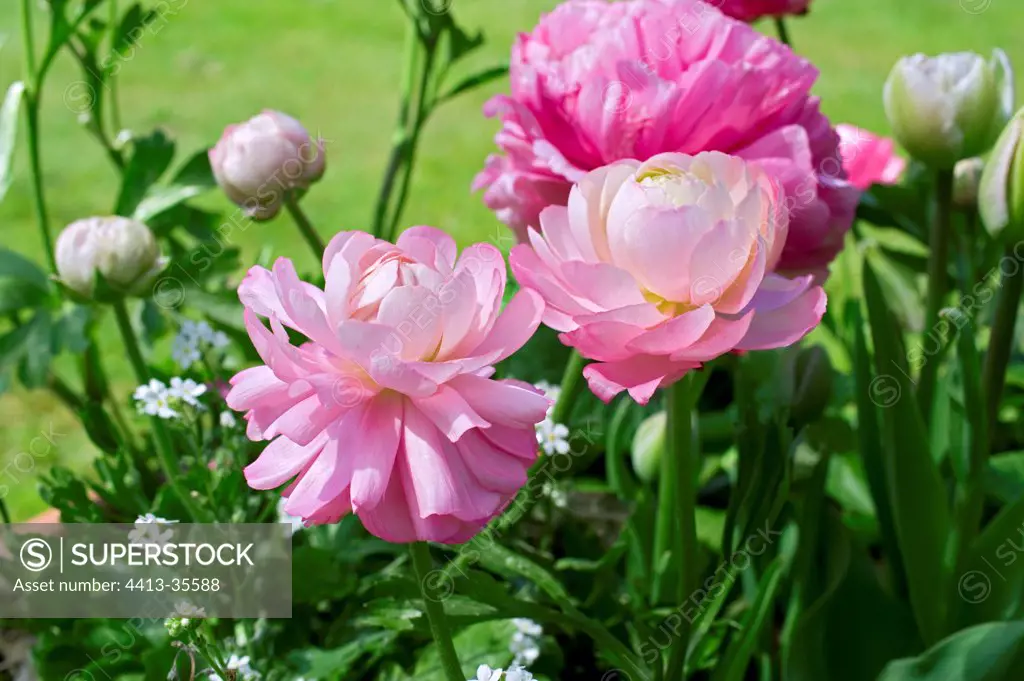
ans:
(950, 107)
(258, 161)
(123, 251)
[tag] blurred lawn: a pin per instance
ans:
(335, 65)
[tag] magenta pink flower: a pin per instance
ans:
(600, 82)
(655, 268)
(750, 10)
(388, 411)
(867, 158)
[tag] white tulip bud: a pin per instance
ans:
(950, 107)
(123, 251)
(258, 161)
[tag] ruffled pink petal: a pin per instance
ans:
(282, 460)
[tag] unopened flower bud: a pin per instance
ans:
(123, 252)
(966, 178)
(950, 107)
(1001, 193)
(258, 161)
(648, 446)
(812, 385)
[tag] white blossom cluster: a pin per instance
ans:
(552, 437)
(525, 644)
(158, 399)
(193, 339)
(242, 668)
(150, 529)
(513, 673)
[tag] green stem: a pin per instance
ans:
(400, 142)
(64, 393)
(164, 447)
(938, 274)
(783, 31)
(435, 613)
(571, 386)
(422, 112)
(28, 41)
(36, 173)
(1001, 343)
(679, 446)
(115, 104)
(306, 228)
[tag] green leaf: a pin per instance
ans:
(922, 519)
(894, 240)
(741, 649)
(151, 155)
(484, 643)
(340, 663)
(9, 133)
(870, 393)
(194, 178)
(987, 652)
(474, 81)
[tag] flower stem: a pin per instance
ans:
(938, 264)
(1001, 343)
(783, 31)
(682, 397)
(572, 385)
(32, 91)
(164, 447)
(115, 100)
(306, 228)
(400, 143)
(435, 613)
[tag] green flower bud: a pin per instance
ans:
(1001, 193)
(966, 179)
(950, 107)
(648, 446)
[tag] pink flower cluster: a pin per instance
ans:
(598, 82)
(388, 410)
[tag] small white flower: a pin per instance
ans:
(192, 339)
(187, 610)
(186, 390)
(227, 420)
(485, 673)
(517, 673)
(525, 645)
(154, 399)
(553, 437)
(148, 530)
(241, 665)
(552, 392)
(287, 518)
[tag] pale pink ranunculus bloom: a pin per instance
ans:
(598, 82)
(751, 10)
(655, 268)
(257, 161)
(388, 410)
(868, 158)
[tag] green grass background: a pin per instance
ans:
(335, 64)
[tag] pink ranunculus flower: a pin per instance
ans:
(388, 411)
(655, 268)
(751, 10)
(867, 158)
(599, 82)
